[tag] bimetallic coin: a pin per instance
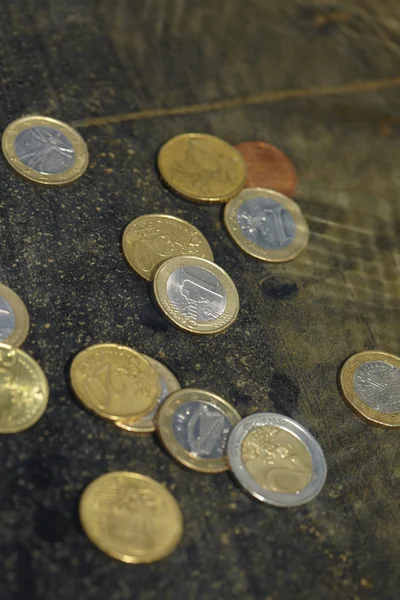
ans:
(266, 225)
(268, 167)
(276, 459)
(45, 150)
(196, 295)
(169, 384)
(151, 239)
(14, 318)
(24, 391)
(131, 517)
(194, 426)
(202, 167)
(370, 384)
(115, 381)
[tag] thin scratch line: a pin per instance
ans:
(230, 103)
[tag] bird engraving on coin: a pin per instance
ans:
(202, 429)
(266, 223)
(45, 150)
(378, 384)
(196, 293)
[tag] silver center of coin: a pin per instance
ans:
(378, 384)
(7, 319)
(202, 429)
(266, 223)
(45, 149)
(196, 293)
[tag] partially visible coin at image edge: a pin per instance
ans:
(45, 150)
(24, 391)
(14, 318)
(370, 385)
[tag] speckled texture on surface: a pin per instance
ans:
(320, 81)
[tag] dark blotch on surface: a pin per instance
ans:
(284, 393)
(50, 524)
(150, 317)
(281, 291)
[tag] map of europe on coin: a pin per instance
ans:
(45, 149)
(266, 223)
(7, 319)
(196, 293)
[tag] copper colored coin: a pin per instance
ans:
(268, 167)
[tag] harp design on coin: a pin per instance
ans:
(277, 460)
(202, 169)
(45, 150)
(196, 298)
(7, 319)
(266, 223)
(204, 430)
(378, 384)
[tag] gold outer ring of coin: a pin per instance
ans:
(79, 368)
(349, 394)
(120, 486)
(176, 246)
(164, 426)
(21, 329)
(186, 323)
(146, 424)
(277, 255)
(11, 133)
(198, 185)
(21, 373)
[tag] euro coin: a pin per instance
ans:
(14, 318)
(45, 150)
(194, 425)
(169, 384)
(115, 381)
(266, 225)
(131, 517)
(202, 167)
(370, 384)
(276, 460)
(196, 295)
(268, 167)
(24, 391)
(149, 240)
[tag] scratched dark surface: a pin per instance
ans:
(318, 79)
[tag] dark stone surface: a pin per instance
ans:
(321, 81)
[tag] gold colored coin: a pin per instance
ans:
(131, 517)
(266, 225)
(115, 381)
(202, 167)
(277, 460)
(194, 426)
(151, 239)
(196, 295)
(45, 150)
(24, 391)
(14, 318)
(169, 384)
(370, 384)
